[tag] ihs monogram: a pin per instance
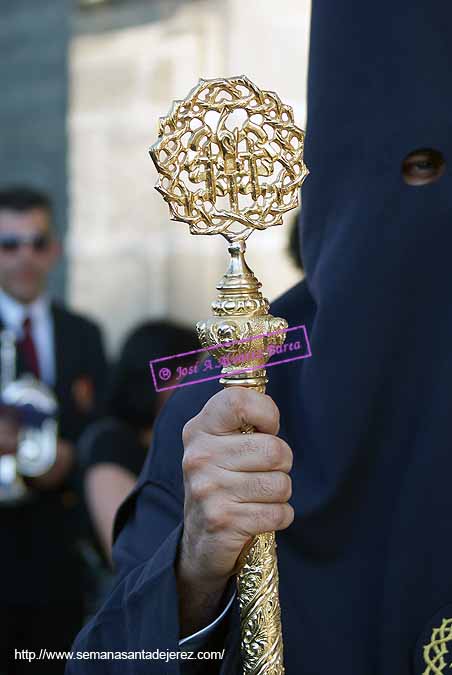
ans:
(230, 158)
(436, 651)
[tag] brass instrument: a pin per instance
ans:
(37, 441)
(230, 161)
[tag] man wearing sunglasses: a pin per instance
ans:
(41, 601)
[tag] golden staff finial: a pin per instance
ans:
(230, 161)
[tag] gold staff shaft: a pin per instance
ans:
(261, 643)
(241, 316)
(222, 174)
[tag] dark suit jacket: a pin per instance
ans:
(80, 358)
(39, 558)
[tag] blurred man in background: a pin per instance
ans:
(41, 602)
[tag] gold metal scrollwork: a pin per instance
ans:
(230, 159)
(436, 650)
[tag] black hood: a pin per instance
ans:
(373, 413)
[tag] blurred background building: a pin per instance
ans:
(83, 85)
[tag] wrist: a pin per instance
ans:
(192, 575)
(200, 595)
(200, 563)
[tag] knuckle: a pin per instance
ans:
(287, 456)
(258, 487)
(283, 486)
(278, 516)
(188, 432)
(267, 518)
(288, 493)
(215, 518)
(286, 516)
(279, 454)
(274, 486)
(210, 410)
(271, 517)
(290, 514)
(236, 401)
(258, 520)
(247, 445)
(273, 451)
(193, 460)
(201, 489)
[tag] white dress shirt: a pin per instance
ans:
(13, 314)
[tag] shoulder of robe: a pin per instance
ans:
(295, 305)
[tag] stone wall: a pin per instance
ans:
(127, 260)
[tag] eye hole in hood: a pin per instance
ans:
(423, 166)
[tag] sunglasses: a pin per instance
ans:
(10, 243)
